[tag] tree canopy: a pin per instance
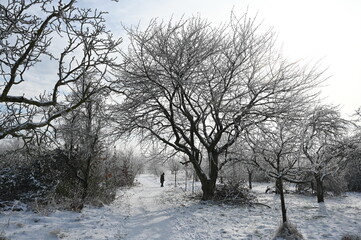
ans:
(195, 87)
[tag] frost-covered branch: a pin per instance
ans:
(58, 43)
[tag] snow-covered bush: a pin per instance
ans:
(27, 180)
(52, 178)
(33, 180)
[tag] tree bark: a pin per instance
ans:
(86, 178)
(319, 189)
(278, 186)
(209, 183)
(282, 197)
(250, 173)
(208, 188)
(175, 178)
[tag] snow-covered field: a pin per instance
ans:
(150, 212)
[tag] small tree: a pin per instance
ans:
(127, 166)
(277, 146)
(324, 145)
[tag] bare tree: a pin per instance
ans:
(83, 134)
(325, 145)
(195, 87)
(58, 38)
(278, 149)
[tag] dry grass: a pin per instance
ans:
(288, 231)
(351, 237)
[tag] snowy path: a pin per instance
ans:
(165, 213)
(148, 217)
(148, 211)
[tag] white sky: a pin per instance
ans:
(308, 30)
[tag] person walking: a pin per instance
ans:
(162, 180)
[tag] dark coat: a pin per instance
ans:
(162, 178)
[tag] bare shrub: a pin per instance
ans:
(233, 192)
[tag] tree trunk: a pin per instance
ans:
(282, 197)
(193, 182)
(175, 178)
(278, 186)
(185, 183)
(86, 179)
(250, 173)
(85, 190)
(208, 183)
(319, 189)
(208, 188)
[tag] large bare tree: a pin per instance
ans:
(57, 42)
(195, 87)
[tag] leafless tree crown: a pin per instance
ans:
(64, 42)
(187, 82)
(195, 87)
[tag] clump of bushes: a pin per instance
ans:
(59, 180)
(31, 179)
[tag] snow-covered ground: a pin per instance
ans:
(148, 211)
